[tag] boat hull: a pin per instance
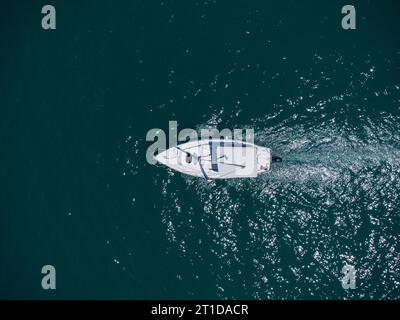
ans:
(217, 159)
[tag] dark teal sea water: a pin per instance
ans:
(77, 192)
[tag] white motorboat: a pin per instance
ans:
(218, 159)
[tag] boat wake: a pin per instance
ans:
(332, 201)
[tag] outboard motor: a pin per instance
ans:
(276, 159)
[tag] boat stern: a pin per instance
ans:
(264, 159)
